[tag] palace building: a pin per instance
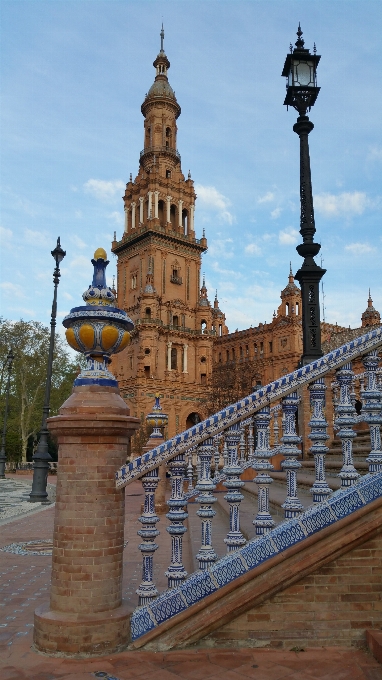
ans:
(181, 347)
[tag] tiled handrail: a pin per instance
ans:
(247, 406)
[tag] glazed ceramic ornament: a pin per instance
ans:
(98, 329)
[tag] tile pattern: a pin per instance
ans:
(342, 503)
(247, 406)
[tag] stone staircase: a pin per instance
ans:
(297, 561)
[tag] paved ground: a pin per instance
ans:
(24, 583)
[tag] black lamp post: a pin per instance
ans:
(300, 69)
(42, 457)
(3, 457)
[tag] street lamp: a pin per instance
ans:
(3, 457)
(300, 69)
(42, 457)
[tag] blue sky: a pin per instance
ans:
(74, 75)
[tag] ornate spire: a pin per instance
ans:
(203, 300)
(300, 42)
(161, 39)
(370, 317)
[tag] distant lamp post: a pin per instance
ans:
(300, 69)
(42, 457)
(3, 457)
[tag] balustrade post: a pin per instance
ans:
(318, 435)
(216, 455)
(345, 419)
(275, 427)
(147, 590)
(206, 555)
(251, 444)
(190, 473)
(292, 505)
(233, 483)
(242, 444)
(263, 520)
(176, 572)
(372, 410)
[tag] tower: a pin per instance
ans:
(158, 273)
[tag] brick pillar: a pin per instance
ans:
(86, 613)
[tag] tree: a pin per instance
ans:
(30, 342)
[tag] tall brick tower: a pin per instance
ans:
(158, 279)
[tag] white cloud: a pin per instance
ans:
(12, 289)
(38, 238)
(67, 296)
(345, 204)
(288, 237)
(104, 190)
(82, 265)
(5, 236)
(276, 213)
(252, 249)
(211, 199)
(359, 248)
(267, 198)
(78, 242)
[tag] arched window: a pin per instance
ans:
(220, 329)
(241, 352)
(233, 354)
(174, 359)
(227, 357)
(148, 312)
(203, 325)
(287, 308)
(175, 321)
(255, 347)
(297, 308)
(168, 137)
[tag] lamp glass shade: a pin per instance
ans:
(302, 73)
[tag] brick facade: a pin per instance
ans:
(332, 606)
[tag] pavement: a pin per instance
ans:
(25, 568)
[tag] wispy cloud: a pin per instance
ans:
(5, 236)
(38, 238)
(252, 249)
(77, 241)
(359, 248)
(104, 190)
(116, 217)
(375, 153)
(267, 198)
(342, 205)
(276, 213)
(288, 237)
(221, 248)
(13, 289)
(211, 199)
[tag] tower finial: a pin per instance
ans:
(300, 42)
(290, 268)
(161, 39)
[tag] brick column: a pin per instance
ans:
(86, 613)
